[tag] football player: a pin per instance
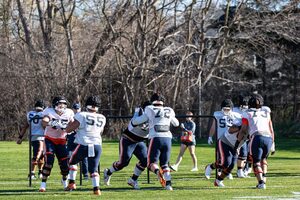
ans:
(34, 120)
(71, 145)
(89, 125)
(224, 121)
(228, 151)
(188, 125)
(55, 120)
(258, 123)
(243, 151)
(160, 118)
(131, 143)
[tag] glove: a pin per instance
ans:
(273, 149)
(210, 140)
(182, 125)
(54, 124)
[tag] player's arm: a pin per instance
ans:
(72, 126)
(22, 131)
(273, 137)
(139, 119)
(45, 121)
(243, 132)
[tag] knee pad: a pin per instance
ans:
(119, 165)
(64, 167)
(47, 170)
(257, 168)
(49, 158)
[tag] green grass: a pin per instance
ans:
(283, 177)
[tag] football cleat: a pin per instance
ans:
(174, 168)
(161, 178)
(261, 186)
(42, 189)
(207, 171)
(97, 192)
(168, 187)
(219, 183)
(33, 177)
(106, 177)
(240, 174)
(133, 183)
(247, 171)
(195, 169)
(70, 187)
(229, 176)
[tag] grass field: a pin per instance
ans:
(283, 177)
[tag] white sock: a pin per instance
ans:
(72, 172)
(95, 179)
(43, 185)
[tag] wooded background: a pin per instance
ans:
(195, 52)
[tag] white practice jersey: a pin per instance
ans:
(90, 128)
(35, 119)
(231, 138)
(65, 118)
(159, 118)
(140, 130)
(259, 121)
(224, 121)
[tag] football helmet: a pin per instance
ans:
(243, 102)
(93, 103)
(39, 105)
(256, 101)
(59, 103)
(157, 98)
(226, 106)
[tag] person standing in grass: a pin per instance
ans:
(257, 122)
(131, 143)
(55, 120)
(160, 118)
(71, 145)
(34, 121)
(188, 141)
(89, 125)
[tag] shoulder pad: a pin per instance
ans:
(266, 108)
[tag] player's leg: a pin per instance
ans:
(267, 143)
(40, 158)
(49, 150)
(93, 164)
(183, 147)
(77, 155)
(242, 160)
(153, 158)
(85, 170)
(141, 153)
(34, 160)
(126, 148)
(226, 164)
(256, 152)
(63, 161)
(166, 144)
(210, 167)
